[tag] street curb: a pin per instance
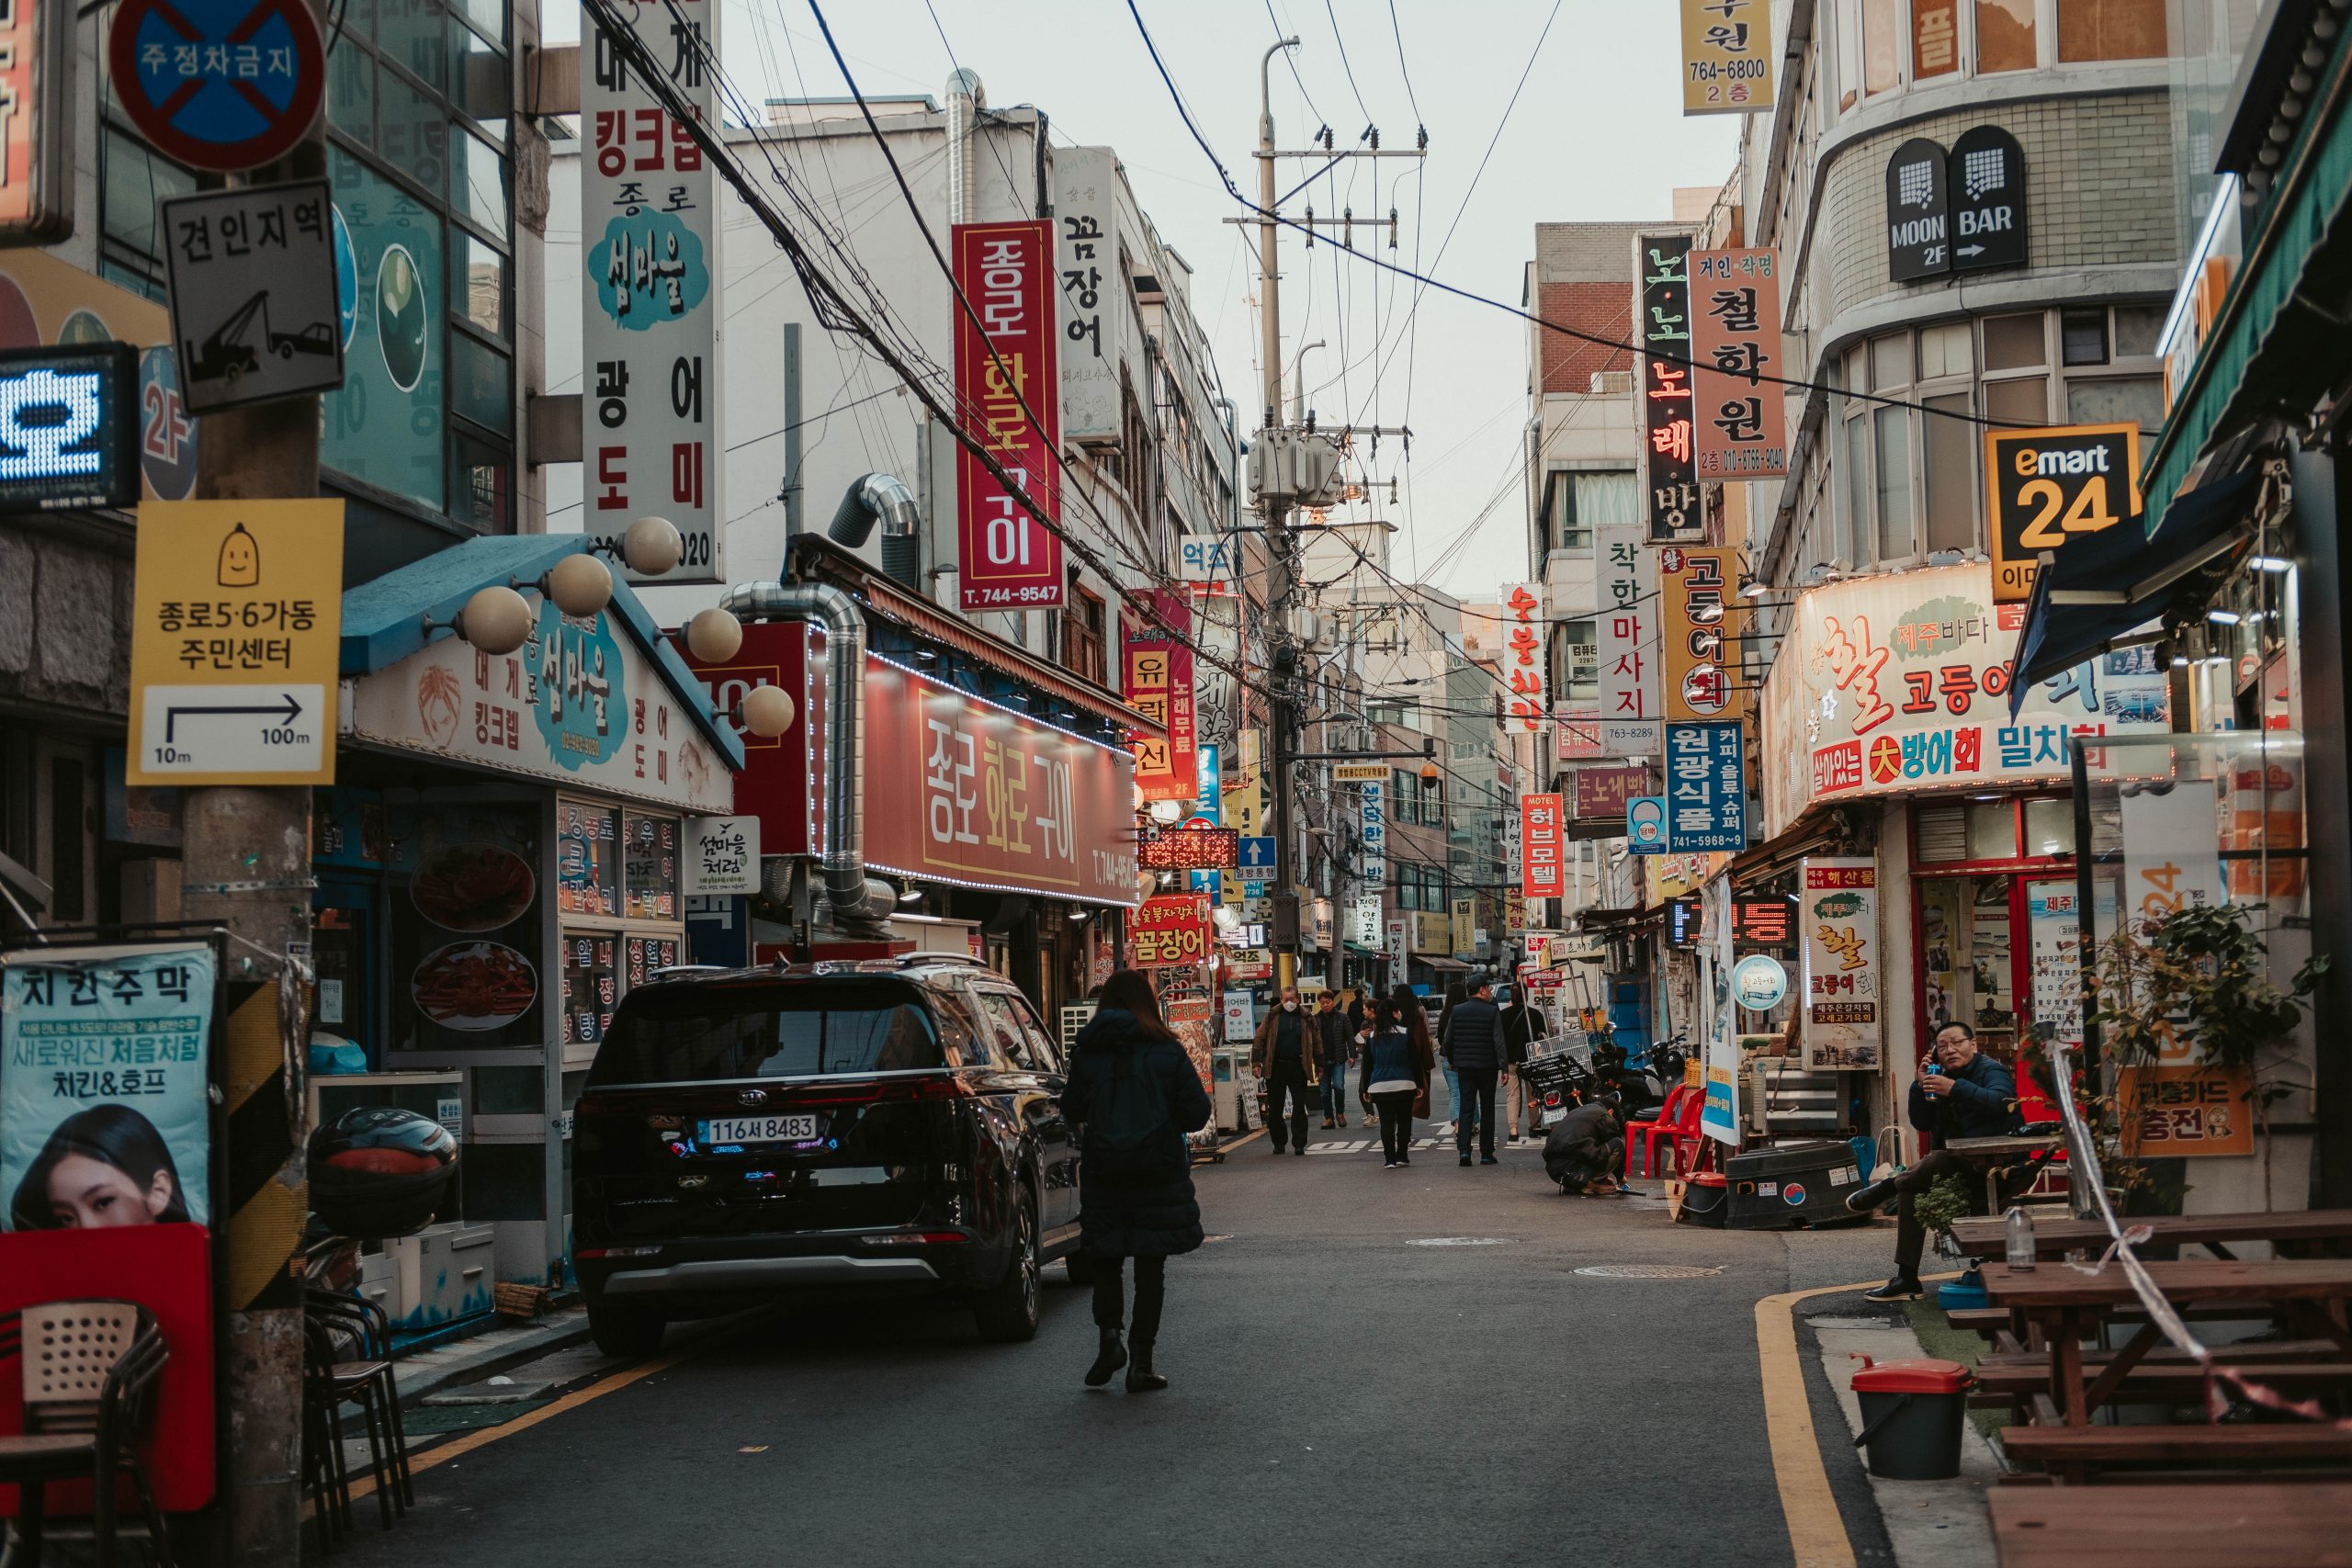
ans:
(529, 1347)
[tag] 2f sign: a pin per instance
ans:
(2050, 485)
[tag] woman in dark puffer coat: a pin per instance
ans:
(1134, 1175)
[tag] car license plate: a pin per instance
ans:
(758, 1129)
(1555, 1115)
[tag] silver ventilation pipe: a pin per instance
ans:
(965, 101)
(861, 905)
(879, 498)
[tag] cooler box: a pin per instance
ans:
(1797, 1183)
(1705, 1201)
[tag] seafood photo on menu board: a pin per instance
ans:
(474, 986)
(473, 888)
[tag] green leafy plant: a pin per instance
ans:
(2198, 979)
(1945, 1201)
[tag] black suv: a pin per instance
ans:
(880, 1126)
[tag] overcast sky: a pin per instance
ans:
(1597, 134)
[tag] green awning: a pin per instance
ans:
(2259, 355)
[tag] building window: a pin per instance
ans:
(1580, 646)
(1082, 633)
(2110, 29)
(134, 178)
(1886, 46)
(2004, 37)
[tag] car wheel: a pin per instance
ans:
(1008, 1311)
(623, 1328)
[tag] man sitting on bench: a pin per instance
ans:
(1961, 1092)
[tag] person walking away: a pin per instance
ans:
(1284, 1059)
(1446, 1005)
(1397, 1055)
(1961, 1092)
(1473, 1054)
(1587, 1150)
(1519, 1041)
(1335, 1042)
(1135, 1092)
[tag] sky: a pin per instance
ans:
(1596, 134)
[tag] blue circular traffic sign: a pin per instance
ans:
(221, 85)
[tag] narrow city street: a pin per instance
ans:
(1369, 1367)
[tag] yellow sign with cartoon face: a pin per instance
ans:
(238, 613)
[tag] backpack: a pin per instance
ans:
(1128, 1135)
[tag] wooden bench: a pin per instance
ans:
(2167, 1380)
(2070, 1452)
(2192, 1525)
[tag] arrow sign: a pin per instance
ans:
(1257, 855)
(287, 714)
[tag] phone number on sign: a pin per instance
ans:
(1035, 594)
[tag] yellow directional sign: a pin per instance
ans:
(238, 611)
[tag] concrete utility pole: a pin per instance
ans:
(246, 859)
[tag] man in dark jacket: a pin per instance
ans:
(1472, 1040)
(1334, 1040)
(1960, 1093)
(1587, 1148)
(1522, 1026)
(1284, 1060)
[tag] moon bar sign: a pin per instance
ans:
(221, 85)
(1958, 211)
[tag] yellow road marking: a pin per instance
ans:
(1817, 1531)
(1245, 1138)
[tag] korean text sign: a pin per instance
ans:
(1699, 631)
(1736, 341)
(1169, 929)
(1628, 650)
(1837, 907)
(1156, 677)
(2049, 486)
(1525, 653)
(650, 436)
(1900, 684)
(1726, 56)
(1668, 430)
(105, 1086)
(1543, 836)
(1706, 789)
(722, 856)
(1008, 390)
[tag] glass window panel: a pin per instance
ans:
(477, 181)
(1935, 38)
(478, 282)
(1858, 487)
(2137, 327)
(481, 385)
(410, 34)
(2004, 35)
(2082, 337)
(2014, 343)
(384, 424)
(1951, 454)
(1858, 376)
(2110, 29)
(1893, 450)
(1603, 501)
(351, 94)
(1992, 829)
(504, 1181)
(2025, 400)
(2050, 827)
(509, 1091)
(136, 179)
(2117, 400)
(588, 860)
(414, 134)
(1882, 47)
(650, 867)
(1947, 350)
(478, 75)
(1891, 362)
(481, 493)
(488, 16)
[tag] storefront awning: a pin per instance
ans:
(1596, 920)
(2102, 586)
(1812, 833)
(1442, 966)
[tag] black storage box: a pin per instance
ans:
(1801, 1183)
(1703, 1201)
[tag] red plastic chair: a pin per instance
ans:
(1648, 1128)
(1684, 1136)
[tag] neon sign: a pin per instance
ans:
(68, 427)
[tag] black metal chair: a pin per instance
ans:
(90, 1370)
(325, 1483)
(361, 1374)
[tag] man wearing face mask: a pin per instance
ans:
(1284, 1059)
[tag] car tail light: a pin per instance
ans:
(913, 1238)
(618, 1252)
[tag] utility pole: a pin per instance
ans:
(246, 854)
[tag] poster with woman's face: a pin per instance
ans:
(103, 1079)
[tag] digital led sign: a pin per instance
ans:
(68, 427)
(1189, 849)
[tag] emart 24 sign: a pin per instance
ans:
(2050, 485)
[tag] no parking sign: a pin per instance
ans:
(220, 85)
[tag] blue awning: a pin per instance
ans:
(383, 620)
(2103, 586)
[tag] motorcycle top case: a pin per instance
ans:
(1793, 1183)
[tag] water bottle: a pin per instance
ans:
(2017, 1234)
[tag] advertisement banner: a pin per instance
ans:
(1706, 787)
(722, 856)
(1156, 679)
(1662, 317)
(1735, 342)
(1646, 825)
(1169, 929)
(1837, 905)
(1363, 923)
(1726, 56)
(1526, 653)
(2186, 1111)
(1399, 952)
(1718, 1113)
(1096, 327)
(1543, 836)
(1373, 825)
(1578, 727)
(1699, 616)
(2048, 486)
(1899, 685)
(1628, 635)
(1006, 371)
(1604, 794)
(105, 1106)
(1240, 1020)
(652, 440)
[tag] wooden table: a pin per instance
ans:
(2290, 1231)
(2065, 1304)
(2224, 1526)
(1996, 1155)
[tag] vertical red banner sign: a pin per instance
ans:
(1008, 368)
(1156, 678)
(1524, 636)
(1541, 838)
(1736, 339)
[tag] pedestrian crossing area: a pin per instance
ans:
(1371, 1145)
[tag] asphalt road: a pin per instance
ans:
(1344, 1392)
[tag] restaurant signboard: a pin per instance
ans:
(1007, 355)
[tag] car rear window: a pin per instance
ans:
(690, 1033)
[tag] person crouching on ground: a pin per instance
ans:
(1399, 1054)
(1587, 1150)
(1961, 1092)
(1137, 1093)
